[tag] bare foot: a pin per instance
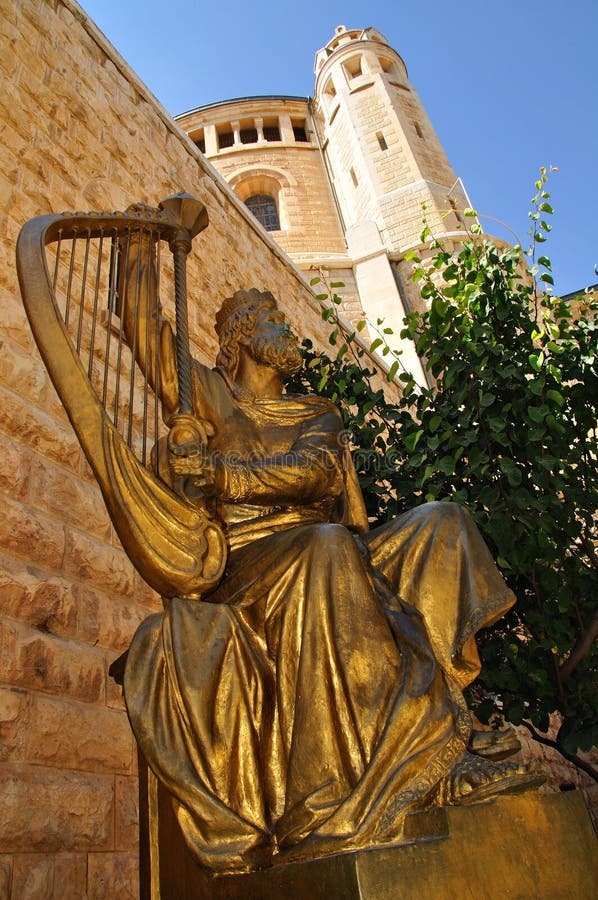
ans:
(473, 780)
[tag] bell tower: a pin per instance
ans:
(385, 163)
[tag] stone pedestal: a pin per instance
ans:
(529, 846)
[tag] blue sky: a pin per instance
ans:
(509, 86)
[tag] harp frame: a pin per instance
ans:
(175, 544)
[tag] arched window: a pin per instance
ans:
(262, 189)
(264, 208)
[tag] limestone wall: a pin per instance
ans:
(312, 225)
(80, 131)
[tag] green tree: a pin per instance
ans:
(509, 431)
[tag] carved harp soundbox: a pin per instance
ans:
(71, 275)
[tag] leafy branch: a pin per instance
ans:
(509, 430)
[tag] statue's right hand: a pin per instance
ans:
(191, 465)
(183, 465)
(188, 436)
(196, 477)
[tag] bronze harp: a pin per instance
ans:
(68, 269)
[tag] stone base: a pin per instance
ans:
(525, 846)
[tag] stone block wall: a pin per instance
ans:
(80, 131)
(308, 229)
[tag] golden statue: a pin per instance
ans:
(301, 694)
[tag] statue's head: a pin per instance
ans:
(251, 319)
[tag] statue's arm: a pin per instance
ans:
(310, 470)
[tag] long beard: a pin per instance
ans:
(281, 353)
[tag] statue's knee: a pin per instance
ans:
(331, 531)
(328, 536)
(447, 513)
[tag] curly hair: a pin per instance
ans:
(235, 320)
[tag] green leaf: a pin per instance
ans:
(446, 465)
(536, 360)
(555, 331)
(516, 713)
(536, 386)
(315, 280)
(393, 370)
(439, 306)
(428, 473)
(555, 397)
(536, 414)
(412, 440)
(487, 399)
(377, 342)
(511, 470)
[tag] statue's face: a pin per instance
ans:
(273, 343)
(271, 323)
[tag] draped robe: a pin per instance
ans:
(313, 699)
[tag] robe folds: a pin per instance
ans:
(313, 699)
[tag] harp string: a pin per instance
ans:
(147, 349)
(119, 352)
(70, 279)
(92, 298)
(157, 386)
(112, 302)
(57, 261)
(134, 338)
(83, 292)
(94, 313)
